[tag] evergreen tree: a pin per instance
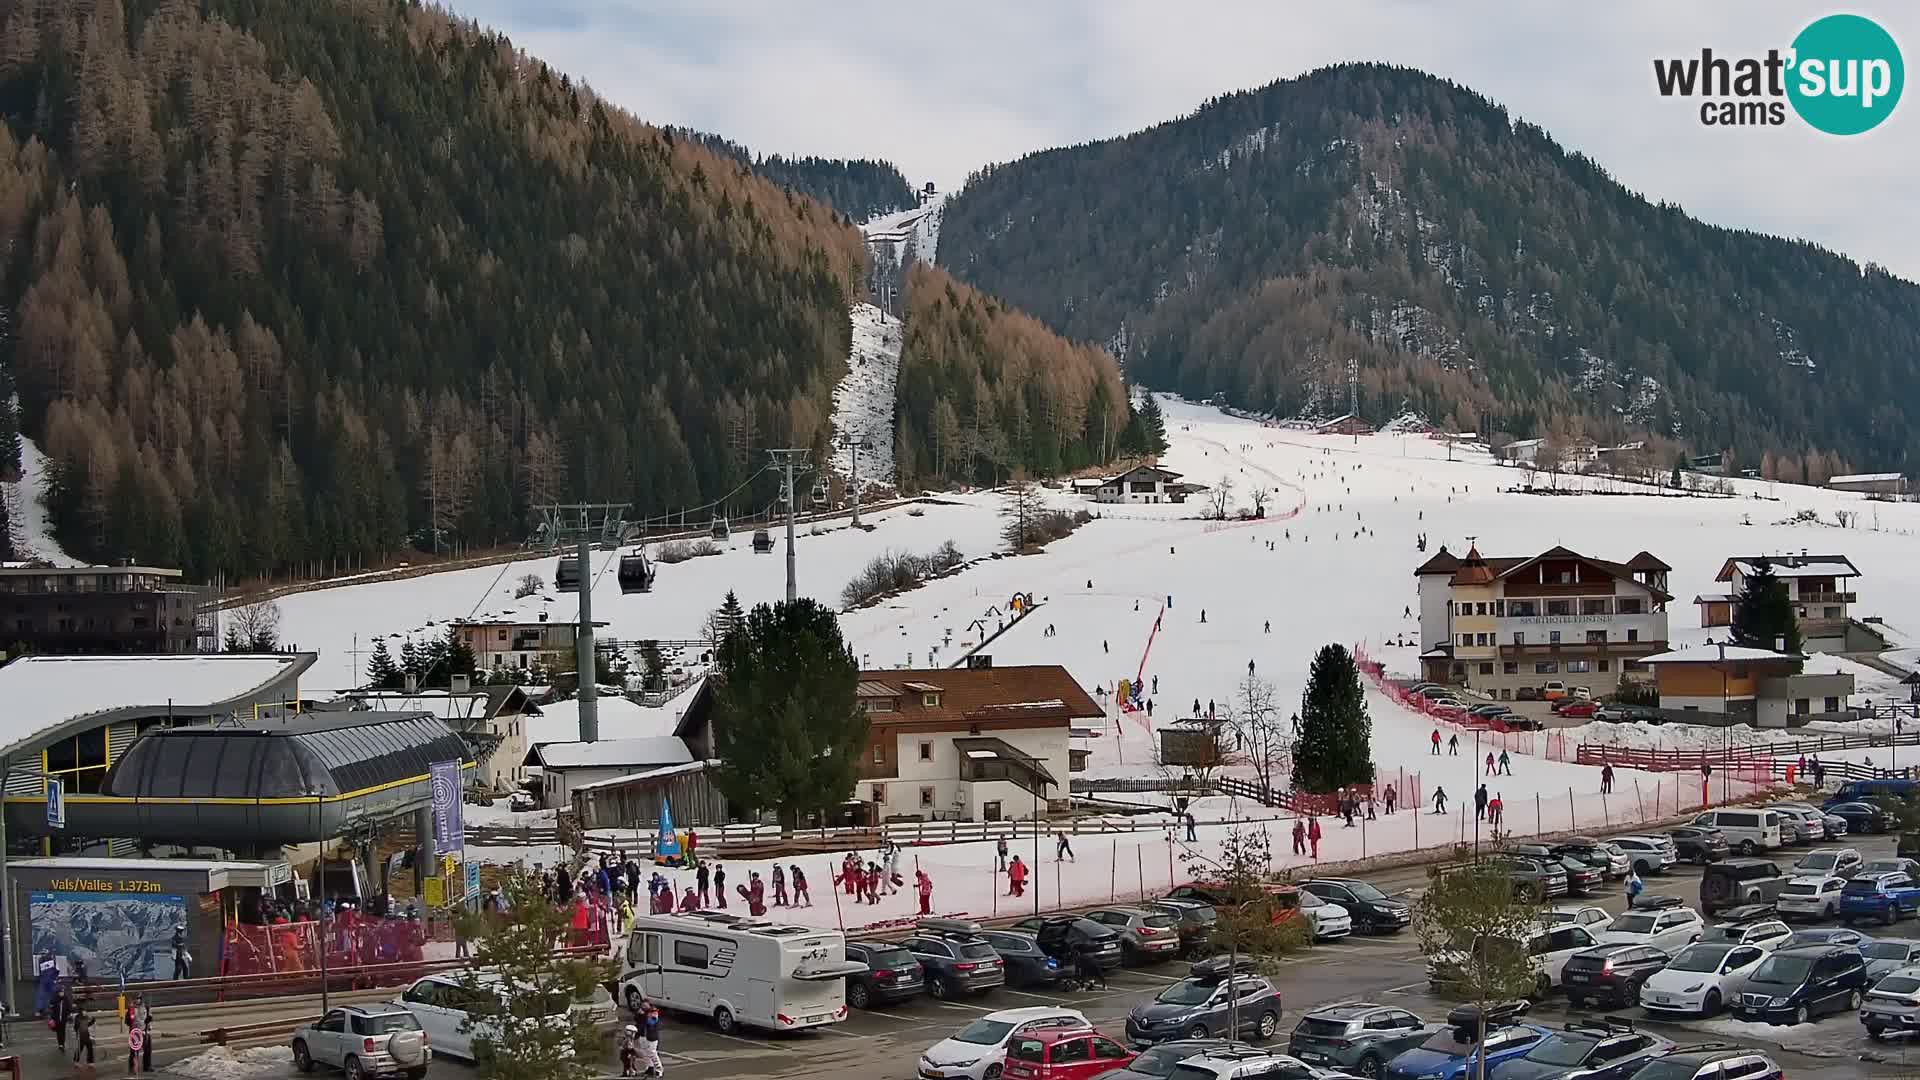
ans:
(786, 726)
(1335, 747)
(1762, 613)
(1153, 424)
(515, 1035)
(412, 662)
(654, 665)
(382, 672)
(458, 656)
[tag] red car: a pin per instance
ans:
(1575, 708)
(1064, 1054)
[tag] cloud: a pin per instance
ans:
(942, 90)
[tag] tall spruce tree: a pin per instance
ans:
(382, 672)
(1763, 615)
(412, 661)
(1335, 747)
(1153, 424)
(786, 726)
(458, 658)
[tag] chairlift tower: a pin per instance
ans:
(584, 524)
(790, 462)
(854, 444)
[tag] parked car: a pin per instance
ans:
(1245, 1063)
(1535, 878)
(1576, 708)
(1835, 827)
(1671, 929)
(1869, 790)
(1588, 1049)
(1711, 1061)
(1450, 1052)
(1489, 711)
(1582, 879)
(1827, 935)
(1282, 901)
(1328, 920)
(1892, 1003)
(1627, 714)
(1884, 896)
(1701, 979)
(1146, 935)
(1548, 946)
(1204, 1004)
(1599, 854)
(1194, 919)
(1813, 823)
(1884, 956)
(1027, 964)
(1750, 925)
(1357, 1037)
(1747, 830)
(1734, 882)
(1811, 896)
(1697, 844)
(1862, 817)
(1610, 975)
(1372, 911)
(1901, 865)
(1063, 937)
(364, 1041)
(979, 1050)
(1802, 983)
(1590, 917)
(1792, 829)
(1839, 862)
(892, 974)
(1648, 854)
(955, 962)
(1157, 1062)
(1554, 690)
(1527, 693)
(1064, 1054)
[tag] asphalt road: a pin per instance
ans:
(884, 1044)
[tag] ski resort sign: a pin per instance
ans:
(1842, 75)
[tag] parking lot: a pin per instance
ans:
(884, 1044)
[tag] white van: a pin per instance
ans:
(738, 970)
(1747, 831)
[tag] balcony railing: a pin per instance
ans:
(1828, 598)
(1597, 648)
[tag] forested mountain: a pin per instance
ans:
(292, 283)
(1476, 270)
(859, 189)
(986, 390)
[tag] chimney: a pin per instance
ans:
(1780, 643)
(413, 683)
(458, 684)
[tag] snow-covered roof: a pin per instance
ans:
(644, 774)
(1709, 654)
(611, 753)
(44, 692)
(1864, 478)
(1791, 566)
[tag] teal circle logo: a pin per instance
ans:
(1846, 76)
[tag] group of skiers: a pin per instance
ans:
(868, 883)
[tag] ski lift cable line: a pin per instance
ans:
(668, 517)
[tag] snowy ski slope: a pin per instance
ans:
(863, 402)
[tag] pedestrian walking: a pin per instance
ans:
(1439, 800)
(1453, 745)
(82, 1036)
(779, 886)
(1267, 628)
(923, 885)
(1436, 742)
(800, 896)
(182, 959)
(1480, 802)
(1062, 849)
(1001, 853)
(1390, 797)
(1299, 837)
(1192, 836)
(1016, 877)
(1606, 779)
(1313, 837)
(650, 1043)
(1634, 887)
(60, 1016)
(1506, 763)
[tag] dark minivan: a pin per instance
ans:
(1801, 983)
(1733, 882)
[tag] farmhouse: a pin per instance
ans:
(1141, 484)
(1886, 483)
(1744, 685)
(1821, 589)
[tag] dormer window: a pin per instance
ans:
(931, 701)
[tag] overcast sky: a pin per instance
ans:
(942, 89)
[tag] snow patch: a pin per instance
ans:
(222, 1063)
(863, 402)
(905, 235)
(32, 533)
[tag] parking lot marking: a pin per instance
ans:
(830, 1030)
(755, 1043)
(1407, 989)
(1151, 975)
(969, 1008)
(1024, 994)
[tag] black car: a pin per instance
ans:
(1357, 1037)
(1610, 975)
(1862, 817)
(1064, 936)
(1596, 1049)
(1699, 845)
(1711, 1061)
(1733, 882)
(1582, 877)
(1373, 911)
(892, 974)
(1027, 963)
(1196, 922)
(956, 960)
(1800, 983)
(1157, 1062)
(1595, 854)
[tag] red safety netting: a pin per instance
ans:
(353, 940)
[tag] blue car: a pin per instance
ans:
(1448, 1054)
(1885, 896)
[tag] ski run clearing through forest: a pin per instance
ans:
(863, 402)
(1342, 518)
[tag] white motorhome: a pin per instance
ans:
(739, 971)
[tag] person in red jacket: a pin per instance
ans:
(923, 885)
(1016, 877)
(1313, 837)
(691, 901)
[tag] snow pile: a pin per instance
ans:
(32, 533)
(222, 1063)
(863, 402)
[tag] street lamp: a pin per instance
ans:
(1726, 730)
(320, 861)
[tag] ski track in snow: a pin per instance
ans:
(1340, 567)
(863, 402)
(32, 532)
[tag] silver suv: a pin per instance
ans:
(364, 1041)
